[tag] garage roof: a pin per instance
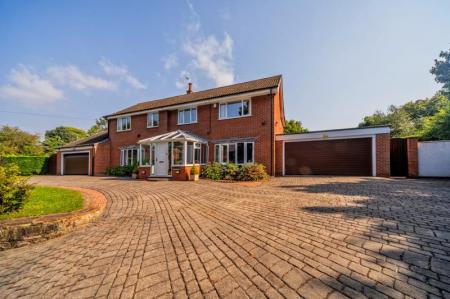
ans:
(91, 140)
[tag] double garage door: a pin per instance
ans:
(329, 157)
(76, 164)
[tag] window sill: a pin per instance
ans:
(227, 118)
(187, 124)
(152, 127)
(119, 131)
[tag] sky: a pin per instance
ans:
(70, 62)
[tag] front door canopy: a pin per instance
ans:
(178, 135)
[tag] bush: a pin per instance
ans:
(212, 171)
(28, 165)
(120, 170)
(231, 171)
(253, 172)
(195, 170)
(14, 190)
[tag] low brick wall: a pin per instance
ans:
(19, 232)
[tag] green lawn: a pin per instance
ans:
(48, 200)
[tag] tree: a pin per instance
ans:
(14, 141)
(294, 126)
(62, 135)
(441, 71)
(437, 127)
(101, 124)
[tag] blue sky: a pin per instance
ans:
(74, 61)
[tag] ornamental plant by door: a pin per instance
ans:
(195, 171)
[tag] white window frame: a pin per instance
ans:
(150, 119)
(242, 105)
(182, 113)
(120, 123)
(124, 152)
(220, 145)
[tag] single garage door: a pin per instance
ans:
(76, 164)
(329, 157)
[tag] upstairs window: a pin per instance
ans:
(153, 120)
(124, 123)
(187, 116)
(234, 109)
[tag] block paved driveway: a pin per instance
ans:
(312, 237)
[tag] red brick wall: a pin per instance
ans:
(209, 126)
(101, 158)
(383, 153)
(413, 159)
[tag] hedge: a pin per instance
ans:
(28, 165)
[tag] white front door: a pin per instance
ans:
(161, 159)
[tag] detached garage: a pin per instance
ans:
(352, 152)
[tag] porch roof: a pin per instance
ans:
(178, 135)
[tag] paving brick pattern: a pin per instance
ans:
(311, 237)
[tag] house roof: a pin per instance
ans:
(91, 140)
(175, 135)
(228, 90)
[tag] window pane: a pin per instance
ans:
(232, 153)
(223, 110)
(204, 153)
(129, 123)
(234, 109)
(193, 115)
(190, 152)
(224, 153)
(197, 156)
(178, 153)
(246, 107)
(249, 152)
(156, 119)
(217, 153)
(240, 153)
(187, 116)
(152, 162)
(180, 116)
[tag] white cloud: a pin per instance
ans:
(170, 61)
(183, 79)
(122, 72)
(28, 87)
(70, 75)
(212, 56)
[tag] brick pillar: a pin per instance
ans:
(383, 155)
(412, 156)
(58, 163)
(279, 158)
(101, 158)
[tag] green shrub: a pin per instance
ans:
(120, 170)
(28, 165)
(252, 172)
(195, 170)
(212, 171)
(230, 171)
(14, 190)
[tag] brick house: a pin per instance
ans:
(239, 123)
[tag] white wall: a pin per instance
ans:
(434, 158)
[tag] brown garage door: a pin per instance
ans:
(76, 164)
(329, 157)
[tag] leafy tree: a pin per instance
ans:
(438, 125)
(62, 135)
(101, 124)
(441, 71)
(14, 141)
(294, 126)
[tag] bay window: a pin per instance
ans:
(124, 123)
(187, 116)
(234, 109)
(239, 152)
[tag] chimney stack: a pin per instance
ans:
(189, 90)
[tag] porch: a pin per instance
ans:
(171, 155)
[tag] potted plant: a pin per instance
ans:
(195, 171)
(135, 171)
